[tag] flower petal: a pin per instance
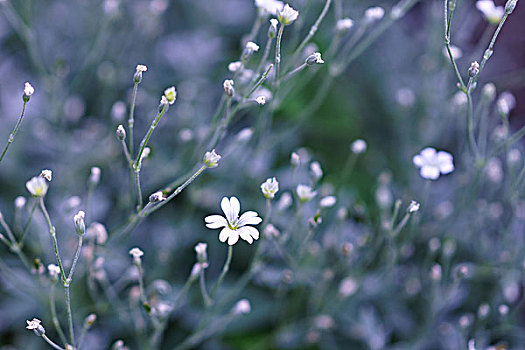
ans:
(225, 234)
(445, 162)
(235, 207)
(234, 237)
(226, 208)
(418, 161)
(245, 234)
(252, 230)
(428, 154)
(215, 221)
(249, 218)
(429, 172)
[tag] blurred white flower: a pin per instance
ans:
(270, 187)
(202, 255)
(94, 176)
(136, 253)
(295, 160)
(141, 68)
(242, 307)
(436, 272)
(494, 170)
(324, 322)
(54, 271)
(305, 193)
(316, 170)
(432, 163)
(285, 201)
(37, 186)
(211, 159)
(506, 102)
(251, 46)
(314, 58)
(20, 201)
(271, 231)
(459, 99)
(261, 100)
(405, 97)
(358, 146)
(287, 15)
(456, 52)
(344, 24)
(229, 90)
(28, 89)
(235, 66)
(233, 225)
(328, 201)
(47, 174)
(492, 13)
(347, 287)
(170, 94)
(413, 207)
(503, 309)
(375, 13)
(269, 6)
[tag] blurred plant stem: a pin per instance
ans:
(13, 133)
(54, 316)
(225, 270)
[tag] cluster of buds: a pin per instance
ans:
(211, 159)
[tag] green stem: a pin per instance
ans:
(52, 232)
(26, 227)
(15, 130)
(75, 260)
(139, 190)
(205, 296)
(69, 316)
(146, 138)
(225, 270)
(131, 120)
(447, 21)
(470, 122)
(50, 342)
(127, 154)
(293, 72)
(54, 316)
(278, 54)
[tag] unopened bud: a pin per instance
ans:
(510, 6)
(272, 31)
(474, 69)
(121, 133)
(228, 87)
(314, 58)
(157, 197)
(80, 226)
(90, 320)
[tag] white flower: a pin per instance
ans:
(33, 324)
(136, 253)
(285, 201)
(432, 163)
(202, 255)
(347, 287)
(328, 201)
(98, 232)
(316, 170)
(141, 68)
(20, 202)
(242, 307)
(413, 207)
(94, 176)
(295, 160)
(163, 100)
(358, 146)
(54, 271)
(305, 193)
(273, 27)
(228, 87)
(157, 197)
(235, 66)
(80, 226)
(260, 100)
(405, 97)
(269, 6)
(492, 13)
(252, 47)
(270, 188)
(170, 94)
(506, 102)
(373, 14)
(287, 15)
(37, 186)
(28, 89)
(234, 226)
(314, 58)
(47, 174)
(211, 159)
(344, 24)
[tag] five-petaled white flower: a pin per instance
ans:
(287, 15)
(270, 187)
(170, 94)
(492, 13)
(37, 186)
(305, 193)
(233, 225)
(136, 253)
(432, 163)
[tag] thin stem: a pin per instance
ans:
(50, 342)
(52, 232)
(12, 243)
(69, 316)
(259, 82)
(184, 290)
(75, 259)
(265, 55)
(143, 297)
(205, 296)
(293, 72)
(139, 190)
(312, 31)
(401, 224)
(131, 120)
(54, 316)
(21, 242)
(447, 21)
(127, 154)
(225, 270)
(13, 133)
(146, 138)
(470, 122)
(278, 54)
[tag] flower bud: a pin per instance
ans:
(228, 87)
(28, 91)
(35, 326)
(314, 58)
(272, 31)
(121, 133)
(94, 176)
(474, 69)
(80, 226)
(137, 77)
(510, 6)
(157, 197)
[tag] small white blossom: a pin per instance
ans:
(347, 287)
(98, 232)
(492, 13)
(157, 197)
(80, 226)
(503, 309)
(170, 94)
(305, 193)
(28, 89)
(328, 201)
(163, 100)
(271, 231)
(270, 187)
(287, 15)
(141, 68)
(20, 202)
(324, 322)
(375, 13)
(405, 97)
(285, 201)
(36, 326)
(344, 24)
(136, 253)
(314, 58)
(244, 135)
(456, 52)
(228, 87)
(459, 99)
(47, 174)
(436, 272)
(261, 100)
(94, 176)
(413, 207)
(433, 163)
(233, 225)
(295, 160)
(37, 186)
(202, 255)
(211, 159)
(273, 28)
(234, 66)
(251, 46)
(316, 170)
(505, 103)
(242, 307)
(269, 6)
(54, 271)
(358, 146)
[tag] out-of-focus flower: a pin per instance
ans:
(316, 170)
(211, 159)
(305, 193)
(202, 255)
(235, 66)
(37, 186)
(269, 6)
(242, 307)
(295, 160)
(505, 103)
(456, 52)
(328, 201)
(270, 187)
(433, 163)
(373, 14)
(54, 271)
(233, 225)
(413, 207)
(314, 58)
(344, 24)
(358, 146)
(136, 253)
(170, 94)
(80, 226)
(287, 15)
(28, 90)
(492, 13)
